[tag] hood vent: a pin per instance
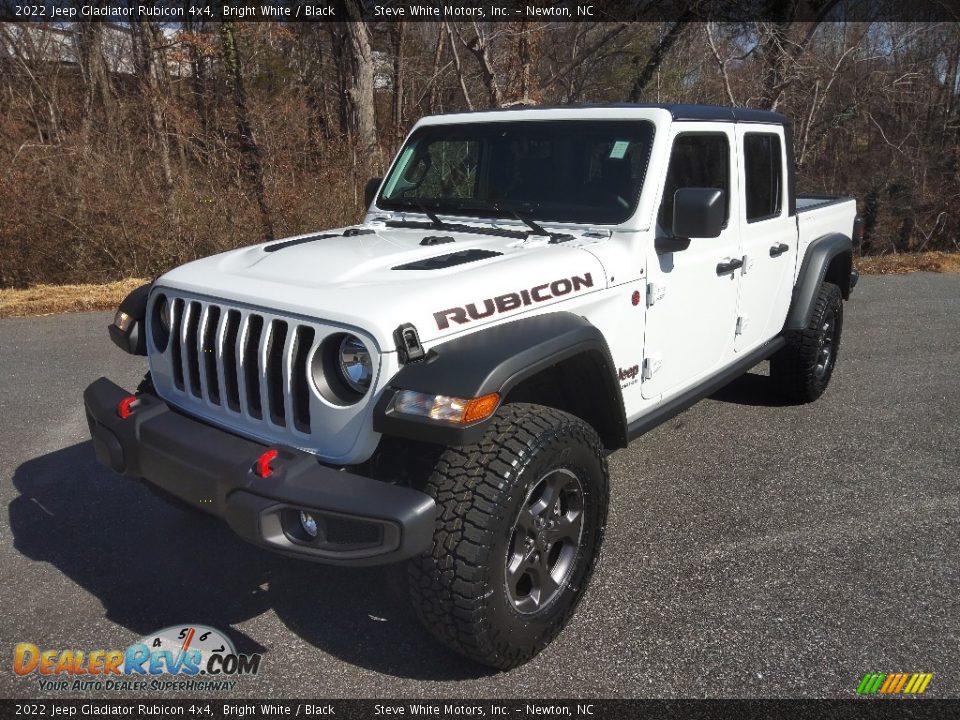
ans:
(297, 241)
(349, 232)
(444, 261)
(436, 240)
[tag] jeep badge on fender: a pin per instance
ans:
(441, 385)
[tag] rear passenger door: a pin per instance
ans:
(691, 298)
(768, 236)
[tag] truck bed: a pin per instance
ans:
(819, 215)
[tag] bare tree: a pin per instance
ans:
(434, 79)
(479, 46)
(579, 58)
(361, 112)
(98, 97)
(398, 72)
(875, 107)
(249, 148)
(458, 66)
(721, 63)
(658, 51)
(150, 72)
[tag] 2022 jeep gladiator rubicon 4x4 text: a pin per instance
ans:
(440, 385)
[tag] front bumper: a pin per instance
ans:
(362, 521)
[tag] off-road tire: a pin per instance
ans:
(460, 588)
(802, 369)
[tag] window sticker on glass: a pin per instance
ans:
(619, 149)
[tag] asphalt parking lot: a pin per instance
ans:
(753, 549)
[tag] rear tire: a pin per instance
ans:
(522, 515)
(802, 370)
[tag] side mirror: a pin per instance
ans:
(698, 212)
(370, 190)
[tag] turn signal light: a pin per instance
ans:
(262, 468)
(125, 407)
(480, 408)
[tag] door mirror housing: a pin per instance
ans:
(370, 190)
(698, 212)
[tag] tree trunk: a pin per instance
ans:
(361, 115)
(528, 50)
(398, 33)
(658, 51)
(249, 149)
(97, 100)
(341, 64)
(148, 72)
(198, 78)
(480, 48)
(435, 76)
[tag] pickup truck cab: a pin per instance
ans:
(441, 384)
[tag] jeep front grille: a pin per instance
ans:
(249, 370)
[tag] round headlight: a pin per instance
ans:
(355, 365)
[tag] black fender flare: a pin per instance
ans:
(497, 359)
(134, 339)
(820, 255)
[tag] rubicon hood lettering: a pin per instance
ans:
(512, 300)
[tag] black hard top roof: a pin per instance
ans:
(680, 112)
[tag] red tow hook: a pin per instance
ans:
(262, 468)
(125, 407)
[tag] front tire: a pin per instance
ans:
(522, 515)
(802, 370)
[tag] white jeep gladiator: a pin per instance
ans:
(530, 290)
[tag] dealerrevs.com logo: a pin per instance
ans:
(182, 657)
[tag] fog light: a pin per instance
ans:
(309, 524)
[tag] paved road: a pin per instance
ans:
(753, 550)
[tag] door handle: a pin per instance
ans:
(778, 250)
(729, 266)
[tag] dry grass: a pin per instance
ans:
(909, 262)
(49, 299)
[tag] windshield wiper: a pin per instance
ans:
(535, 227)
(526, 220)
(436, 223)
(458, 227)
(434, 218)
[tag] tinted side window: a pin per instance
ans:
(697, 160)
(764, 174)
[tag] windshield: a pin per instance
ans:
(581, 171)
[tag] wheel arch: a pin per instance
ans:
(828, 258)
(578, 385)
(518, 360)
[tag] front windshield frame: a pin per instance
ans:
(637, 133)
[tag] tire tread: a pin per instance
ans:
(472, 485)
